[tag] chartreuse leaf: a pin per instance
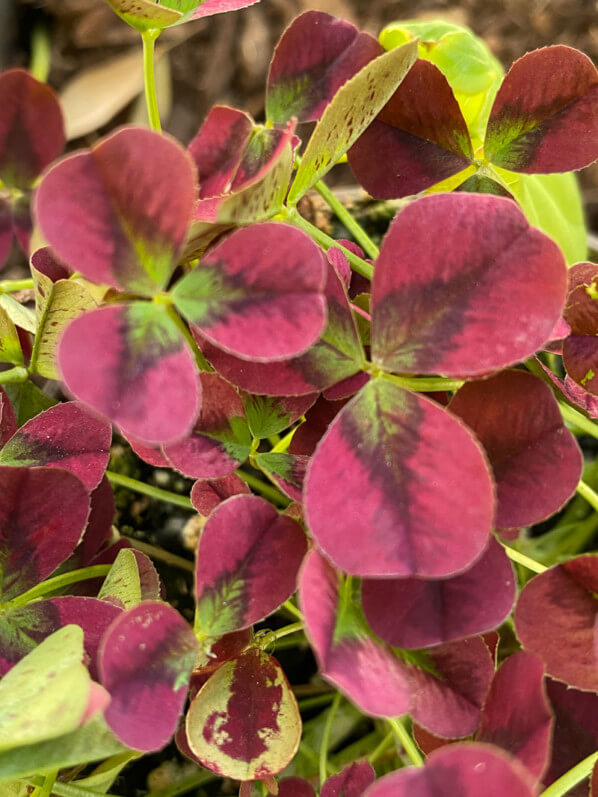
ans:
(245, 722)
(46, 694)
(10, 346)
(104, 775)
(122, 584)
(20, 315)
(352, 109)
(145, 14)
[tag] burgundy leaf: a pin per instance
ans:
(545, 115)
(389, 488)
(130, 362)
(150, 454)
(247, 564)
(352, 781)
(210, 7)
(8, 419)
(536, 461)
(99, 527)
(317, 421)
(580, 358)
(37, 535)
(146, 658)
(580, 348)
(460, 314)
(119, 212)
(295, 787)
(428, 742)
(348, 657)
(416, 613)
(573, 392)
(346, 387)
(206, 494)
(45, 261)
(212, 657)
(422, 133)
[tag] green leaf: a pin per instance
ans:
(10, 346)
(123, 582)
(20, 316)
(352, 109)
(106, 773)
(28, 400)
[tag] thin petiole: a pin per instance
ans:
(566, 782)
(149, 489)
(353, 226)
(13, 375)
(578, 419)
(13, 286)
(382, 747)
(424, 384)
(406, 741)
(524, 560)
(267, 490)
(586, 492)
(149, 39)
(326, 737)
(58, 582)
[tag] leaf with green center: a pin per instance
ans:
(119, 213)
(355, 105)
(259, 278)
(245, 722)
(47, 693)
(269, 415)
(130, 362)
(287, 471)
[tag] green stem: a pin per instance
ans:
(578, 419)
(12, 375)
(326, 737)
(352, 225)
(586, 492)
(279, 633)
(315, 702)
(424, 384)
(39, 65)
(571, 778)
(58, 582)
(161, 555)
(292, 609)
(67, 789)
(12, 286)
(524, 560)
(406, 741)
(48, 787)
(149, 39)
(149, 489)
(200, 360)
(267, 490)
(382, 747)
(357, 263)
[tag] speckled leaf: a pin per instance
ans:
(37, 536)
(245, 722)
(287, 471)
(303, 79)
(347, 655)
(66, 436)
(268, 415)
(422, 133)
(119, 213)
(140, 369)
(499, 269)
(545, 115)
(536, 460)
(213, 654)
(352, 781)
(206, 494)
(417, 613)
(10, 345)
(145, 14)
(555, 618)
(247, 564)
(46, 694)
(351, 110)
(265, 276)
(517, 714)
(146, 658)
(122, 585)
(8, 419)
(407, 470)
(31, 128)
(468, 770)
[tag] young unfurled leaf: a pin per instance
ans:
(245, 723)
(354, 106)
(130, 362)
(119, 213)
(303, 79)
(262, 277)
(422, 133)
(455, 274)
(269, 415)
(122, 585)
(388, 491)
(247, 564)
(545, 115)
(146, 658)
(206, 494)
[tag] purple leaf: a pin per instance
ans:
(352, 781)
(37, 535)
(555, 617)
(206, 494)
(295, 787)
(8, 419)
(315, 56)
(389, 488)
(210, 7)
(66, 436)
(422, 133)
(130, 362)
(146, 658)
(536, 461)
(259, 278)
(247, 564)
(119, 213)
(99, 527)
(31, 128)
(416, 613)
(368, 673)
(461, 314)
(545, 115)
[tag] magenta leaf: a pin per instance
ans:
(371, 501)
(303, 79)
(417, 613)
(247, 564)
(461, 315)
(8, 419)
(66, 436)
(146, 658)
(422, 132)
(536, 461)
(209, 7)
(545, 115)
(555, 618)
(352, 781)
(37, 535)
(286, 470)
(517, 715)
(119, 212)
(262, 277)
(130, 362)
(469, 770)
(206, 494)
(347, 655)
(31, 128)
